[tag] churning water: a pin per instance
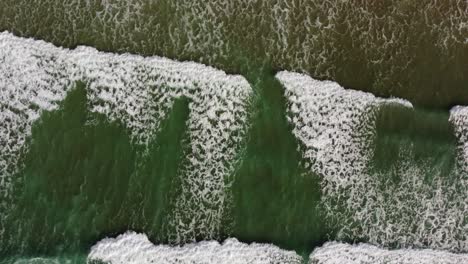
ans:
(112, 157)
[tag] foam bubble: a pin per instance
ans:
(138, 91)
(132, 247)
(338, 253)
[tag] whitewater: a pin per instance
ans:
(36, 76)
(411, 218)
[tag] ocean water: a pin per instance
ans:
(130, 159)
(393, 175)
(154, 131)
(416, 50)
(201, 122)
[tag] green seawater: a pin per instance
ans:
(81, 180)
(416, 50)
(414, 168)
(84, 179)
(275, 198)
(426, 132)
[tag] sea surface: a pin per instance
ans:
(233, 131)
(417, 50)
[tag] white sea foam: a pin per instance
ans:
(333, 124)
(339, 253)
(459, 119)
(136, 248)
(337, 128)
(138, 91)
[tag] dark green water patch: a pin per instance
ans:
(155, 185)
(275, 198)
(84, 179)
(421, 137)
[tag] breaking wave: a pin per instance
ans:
(392, 175)
(139, 92)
